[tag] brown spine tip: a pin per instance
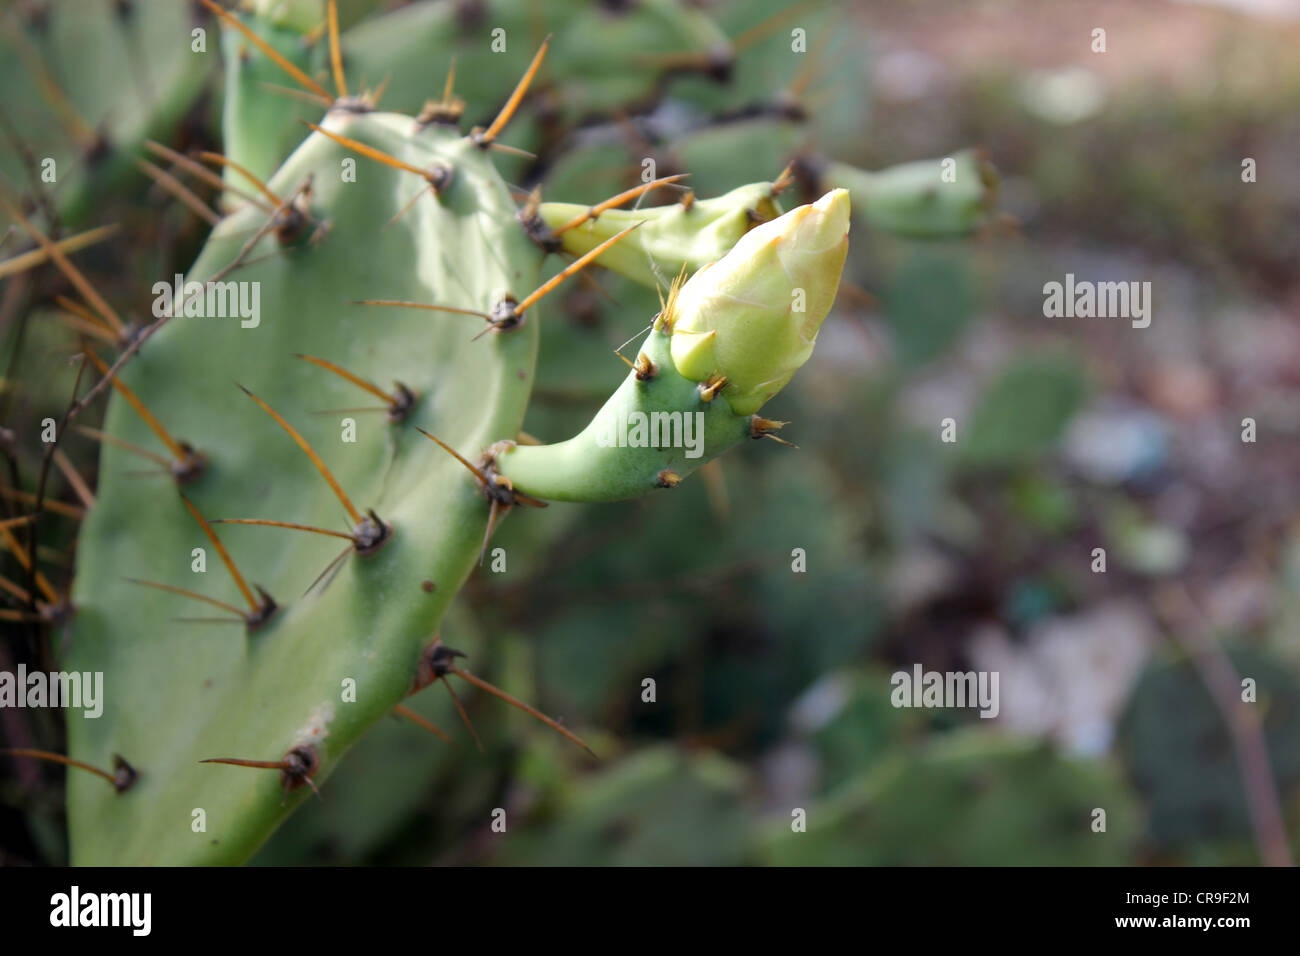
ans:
(644, 368)
(784, 181)
(711, 386)
(436, 112)
(763, 428)
(668, 479)
(668, 310)
(759, 427)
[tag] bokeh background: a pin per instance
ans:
(1119, 690)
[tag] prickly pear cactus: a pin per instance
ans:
(85, 84)
(332, 395)
(188, 691)
(328, 643)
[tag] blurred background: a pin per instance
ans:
(1120, 689)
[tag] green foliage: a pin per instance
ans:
(658, 807)
(929, 304)
(84, 85)
(966, 799)
(1023, 412)
(1186, 770)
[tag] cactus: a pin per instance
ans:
(377, 610)
(393, 269)
(261, 122)
(261, 687)
(1185, 772)
(608, 55)
(967, 798)
(85, 86)
(658, 808)
(738, 329)
(926, 199)
(685, 235)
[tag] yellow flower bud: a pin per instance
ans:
(753, 315)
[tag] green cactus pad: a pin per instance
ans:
(177, 693)
(924, 199)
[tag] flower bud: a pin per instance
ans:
(673, 237)
(753, 315)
